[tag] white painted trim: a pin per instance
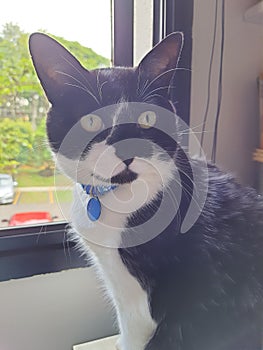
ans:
(108, 343)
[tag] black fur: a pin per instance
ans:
(205, 287)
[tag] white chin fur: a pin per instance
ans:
(103, 162)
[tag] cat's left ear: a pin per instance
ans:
(162, 60)
(59, 72)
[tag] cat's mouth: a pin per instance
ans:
(125, 176)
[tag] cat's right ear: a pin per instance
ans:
(161, 62)
(57, 69)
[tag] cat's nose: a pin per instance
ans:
(128, 161)
(125, 151)
(123, 155)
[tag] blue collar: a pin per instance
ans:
(93, 205)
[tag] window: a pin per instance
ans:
(30, 191)
(34, 202)
(121, 30)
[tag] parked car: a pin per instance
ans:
(30, 218)
(7, 191)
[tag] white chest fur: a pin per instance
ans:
(130, 300)
(135, 322)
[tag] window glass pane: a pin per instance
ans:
(30, 190)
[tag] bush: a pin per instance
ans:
(16, 142)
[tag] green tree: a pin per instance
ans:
(21, 93)
(41, 154)
(16, 141)
(18, 81)
(22, 141)
(87, 57)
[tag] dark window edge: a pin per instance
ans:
(171, 16)
(122, 32)
(33, 250)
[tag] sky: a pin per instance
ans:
(85, 21)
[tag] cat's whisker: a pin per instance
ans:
(141, 90)
(191, 128)
(150, 97)
(197, 126)
(186, 192)
(80, 73)
(188, 189)
(72, 77)
(66, 241)
(191, 132)
(42, 231)
(100, 87)
(81, 86)
(184, 69)
(154, 80)
(84, 89)
(163, 74)
(191, 191)
(152, 91)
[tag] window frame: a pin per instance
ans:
(37, 249)
(172, 16)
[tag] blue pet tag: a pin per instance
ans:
(94, 206)
(94, 209)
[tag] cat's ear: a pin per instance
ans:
(162, 60)
(58, 70)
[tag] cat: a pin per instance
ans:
(115, 132)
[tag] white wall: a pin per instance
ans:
(243, 61)
(53, 311)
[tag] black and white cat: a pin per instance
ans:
(115, 133)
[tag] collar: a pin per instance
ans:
(94, 206)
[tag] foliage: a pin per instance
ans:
(87, 57)
(18, 81)
(16, 140)
(41, 155)
(22, 134)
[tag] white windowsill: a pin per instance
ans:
(101, 344)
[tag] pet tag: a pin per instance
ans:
(94, 209)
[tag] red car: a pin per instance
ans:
(31, 217)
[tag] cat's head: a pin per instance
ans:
(109, 125)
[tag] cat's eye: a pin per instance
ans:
(91, 122)
(147, 119)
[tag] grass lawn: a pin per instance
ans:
(29, 177)
(63, 196)
(43, 197)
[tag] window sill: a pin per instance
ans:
(108, 343)
(33, 250)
